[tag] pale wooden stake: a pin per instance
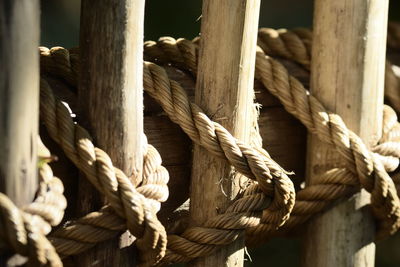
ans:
(348, 62)
(19, 100)
(225, 91)
(111, 98)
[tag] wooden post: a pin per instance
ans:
(111, 98)
(347, 75)
(224, 90)
(19, 100)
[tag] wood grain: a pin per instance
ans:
(224, 90)
(347, 76)
(19, 100)
(111, 100)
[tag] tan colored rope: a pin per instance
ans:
(289, 44)
(24, 230)
(127, 201)
(182, 51)
(314, 193)
(77, 236)
(255, 164)
(336, 173)
(245, 212)
(293, 45)
(330, 127)
(59, 60)
(340, 182)
(296, 45)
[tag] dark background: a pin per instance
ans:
(181, 18)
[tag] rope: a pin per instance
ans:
(127, 201)
(296, 45)
(346, 177)
(297, 101)
(254, 163)
(24, 230)
(292, 45)
(247, 211)
(330, 128)
(77, 236)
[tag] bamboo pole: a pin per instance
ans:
(225, 90)
(19, 100)
(111, 99)
(348, 61)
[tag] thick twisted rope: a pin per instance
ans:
(292, 45)
(352, 183)
(339, 182)
(254, 163)
(247, 212)
(24, 230)
(330, 128)
(296, 45)
(183, 51)
(127, 202)
(59, 60)
(78, 236)
(335, 191)
(275, 77)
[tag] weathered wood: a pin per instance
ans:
(224, 91)
(19, 100)
(111, 99)
(347, 76)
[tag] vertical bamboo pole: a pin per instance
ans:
(225, 90)
(19, 99)
(111, 97)
(348, 61)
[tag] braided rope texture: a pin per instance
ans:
(24, 230)
(370, 167)
(254, 209)
(337, 183)
(137, 206)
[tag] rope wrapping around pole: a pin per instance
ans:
(292, 45)
(127, 202)
(310, 200)
(275, 77)
(257, 165)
